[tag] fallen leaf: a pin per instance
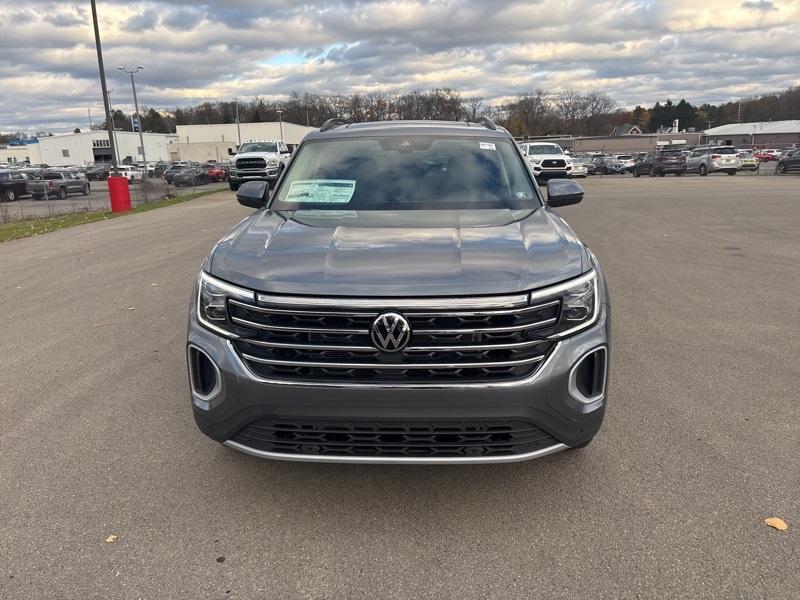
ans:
(153, 284)
(111, 539)
(777, 523)
(131, 308)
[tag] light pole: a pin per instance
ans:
(111, 143)
(238, 128)
(280, 122)
(113, 127)
(138, 117)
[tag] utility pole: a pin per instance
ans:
(114, 162)
(238, 128)
(138, 116)
(280, 122)
(113, 125)
(91, 125)
(739, 116)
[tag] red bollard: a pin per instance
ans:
(120, 194)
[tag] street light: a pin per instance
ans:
(136, 107)
(280, 121)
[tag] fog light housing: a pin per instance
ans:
(587, 378)
(204, 376)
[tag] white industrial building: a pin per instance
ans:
(90, 147)
(191, 142)
(763, 132)
(218, 142)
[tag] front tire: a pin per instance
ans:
(636, 173)
(652, 171)
(781, 169)
(703, 170)
(731, 172)
(234, 186)
(9, 196)
(62, 193)
(85, 190)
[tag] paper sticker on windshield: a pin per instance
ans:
(321, 191)
(487, 146)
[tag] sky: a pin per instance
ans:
(637, 51)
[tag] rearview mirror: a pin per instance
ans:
(253, 194)
(562, 192)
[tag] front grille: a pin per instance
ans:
(332, 344)
(554, 162)
(251, 163)
(394, 438)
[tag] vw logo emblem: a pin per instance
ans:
(390, 332)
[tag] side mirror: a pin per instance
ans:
(562, 192)
(566, 152)
(231, 152)
(253, 194)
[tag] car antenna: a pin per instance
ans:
(332, 123)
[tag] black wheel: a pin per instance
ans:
(636, 172)
(652, 171)
(38, 197)
(731, 172)
(581, 445)
(781, 168)
(703, 170)
(62, 193)
(9, 196)
(233, 186)
(662, 174)
(678, 173)
(85, 190)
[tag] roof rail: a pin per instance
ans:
(486, 122)
(335, 122)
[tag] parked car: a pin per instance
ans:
(579, 169)
(748, 162)
(660, 163)
(764, 155)
(790, 161)
(393, 356)
(190, 176)
(13, 184)
(627, 160)
(99, 172)
(607, 165)
(713, 159)
(57, 184)
(172, 170)
(261, 160)
(216, 172)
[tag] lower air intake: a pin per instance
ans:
(394, 439)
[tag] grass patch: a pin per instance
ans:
(28, 227)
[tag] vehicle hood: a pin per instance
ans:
(399, 253)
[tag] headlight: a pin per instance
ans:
(579, 303)
(212, 305)
(272, 162)
(536, 161)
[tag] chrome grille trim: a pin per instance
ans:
(477, 303)
(322, 347)
(293, 329)
(523, 327)
(395, 366)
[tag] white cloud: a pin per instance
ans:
(638, 51)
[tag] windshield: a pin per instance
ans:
(726, 150)
(544, 149)
(259, 147)
(407, 173)
(624, 157)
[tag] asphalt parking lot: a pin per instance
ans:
(700, 442)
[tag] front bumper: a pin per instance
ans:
(240, 177)
(543, 400)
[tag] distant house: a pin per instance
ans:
(626, 129)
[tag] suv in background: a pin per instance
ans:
(660, 163)
(789, 161)
(13, 184)
(258, 161)
(713, 159)
(57, 184)
(406, 295)
(548, 160)
(98, 172)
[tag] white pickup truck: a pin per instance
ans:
(548, 160)
(258, 161)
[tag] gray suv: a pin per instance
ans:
(57, 184)
(405, 295)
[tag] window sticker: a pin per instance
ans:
(487, 146)
(322, 191)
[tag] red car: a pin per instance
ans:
(217, 173)
(764, 156)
